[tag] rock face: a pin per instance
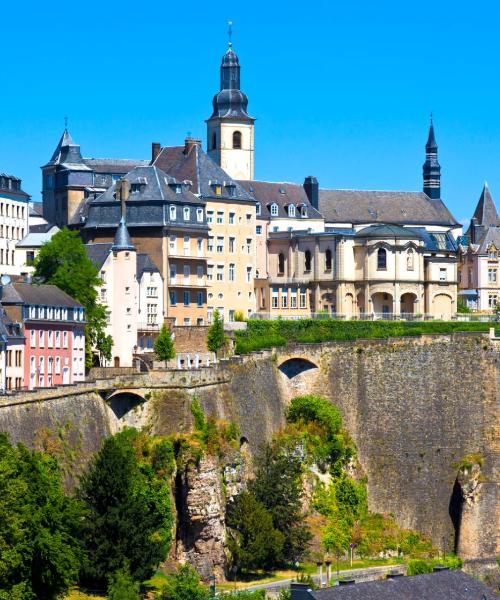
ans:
(201, 518)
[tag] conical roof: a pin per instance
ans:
(67, 151)
(431, 140)
(486, 212)
(122, 239)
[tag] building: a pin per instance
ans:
(132, 292)
(230, 216)
(14, 209)
(53, 329)
(230, 129)
(479, 276)
(68, 179)
(166, 221)
(13, 357)
(432, 586)
(28, 248)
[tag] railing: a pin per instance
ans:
(376, 317)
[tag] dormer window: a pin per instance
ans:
(199, 215)
(173, 213)
(303, 211)
(258, 209)
(187, 213)
(218, 190)
(274, 209)
(291, 210)
(492, 253)
(231, 188)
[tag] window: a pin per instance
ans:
(220, 272)
(293, 298)
(50, 364)
(210, 216)
(210, 272)
(127, 289)
(302, 298)
(258, 209)
(173, 297)
(186, 271)
(199, 272)
(210, 246)
(50, 338)
(274, 209)
(492, 301)
(291, 210)
(173, 213)
(214, 141)
(258, 229)
(281, 263)
(237, 140)
(442, 274)
(103, 294)
(58, 339)
(220, 217)
(199, 298)
(410, 256)
(249, 274)
(65, 339)
(173, 273)
(42, 364)
(32, 365)
(231, 218)
(58, 365)
(218, 190)
(231, 316)
(492, 254)
(303, 212)
(220, 245)
(274, 298)
(492, 275)
(231, 244)
(284, 298)
(33, 338)
(199, 215)
(41, 342)
(307, 261)
(199, 245)
(186, 298)
(328, 260)
(249, 246)
(381, 259)
(187, 321)
(232, 267)
(187, 213)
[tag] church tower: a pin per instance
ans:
(230, 129)
(432, 169)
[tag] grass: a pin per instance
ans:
(77, 594)
(267, 334)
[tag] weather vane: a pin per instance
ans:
(65, 122)
(230, 32)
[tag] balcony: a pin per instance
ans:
(180, 282)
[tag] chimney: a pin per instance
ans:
(311, 188)
(123, 189)
(190, 143)
(155, 150)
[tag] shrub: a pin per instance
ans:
(419, 566)
(164, 345)
(122, 587)
(183, 584)
(215, 336)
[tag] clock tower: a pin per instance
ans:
(230, 129)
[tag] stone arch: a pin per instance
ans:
(122, 402)
(408, 300)
(442, 306)
(296, 366)
(349, 305)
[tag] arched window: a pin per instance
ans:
(291, 210)
(381, 259)
(281, 263)
(410, 257)
(214, 141)
(274, 209)
(307, 261)
(237, 140)
(187, 213)
(328, 259)
(173, 213)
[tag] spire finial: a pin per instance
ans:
(66, 123)
(230, 33)
(431, 118)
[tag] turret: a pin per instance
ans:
(431, 168)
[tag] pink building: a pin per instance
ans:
(53, 327)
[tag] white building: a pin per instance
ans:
(14, 210)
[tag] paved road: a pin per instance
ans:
(357, 574)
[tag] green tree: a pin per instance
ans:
(278, 486)
(63, 261)
(164, 344)
(129, 517)
(39, 548)
(215, 337)
(122, 587)
(252, 540)
(184, 584)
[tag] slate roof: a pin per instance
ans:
(443, 585)
(30, 293)
(36, 209)
(281, 193)
(36, 239)
(13, 331)
(146, 205)
(191, 163)
(98, 253)
(145, 265)
(382, 231)
(42, 228)
(486, 212)
(360, 206)
(122, 239)
(114, 165)
(491, 236)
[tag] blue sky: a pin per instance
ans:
(340, 90)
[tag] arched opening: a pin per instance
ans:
(237, 140)
(360, 302)
(382, 304)
(116, 361)
(123, 402)
(328, 260)
(281, 263)
(214, 141)
(442, 306)
(307, 260)
(296, 366)
(381, 259)
(410, 259)
(408, 303)
(455, 509)
(349, 305)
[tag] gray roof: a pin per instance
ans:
(31, 293)
(486, 212)
(359, 206)
(122, 239)
(386, 230)
(98, 253)
(114, 165)
(491, 236)
(36, 239)
(146, 206)
(443, 585)
(145, 265)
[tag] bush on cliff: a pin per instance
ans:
(183, 584)
(39, 548)
(215, 336)
(122, 587)
(129, 520)
(164, 344)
